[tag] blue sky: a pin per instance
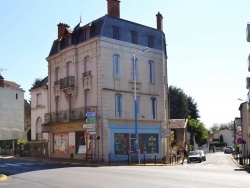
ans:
(206, 44)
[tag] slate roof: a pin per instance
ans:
(178, 123)
(42, 83)
(104, 27)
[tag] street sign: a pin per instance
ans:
(88, 126)
(91, 120)
(91, 114)
(92, 132)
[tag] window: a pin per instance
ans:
(87, 98)
(134, 37)
(135, 68)
(151, 72)
(56, 76)
(69, 69)
(148, 143)
(87, 65)
(116, 32)
(153, 108)
(116, 63)
(80, 139)
(118, 105)
(151, 41)
(38, 99)
(16, 95)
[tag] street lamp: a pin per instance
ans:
(135, 103)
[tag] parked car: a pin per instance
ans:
(203, 155)
(194, 156)
(229, 149)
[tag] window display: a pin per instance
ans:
(61, 142)
(121, 143)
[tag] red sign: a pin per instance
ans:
(239, 140)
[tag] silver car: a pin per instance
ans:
(194, 156)
(203, 155)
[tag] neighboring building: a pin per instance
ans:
(91, 69)
(11, 115)
(39, 107)
(242, 132)
(179, 128)
(225, 134)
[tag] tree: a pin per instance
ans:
(181, 105)
(197, 129)
(178, 103)
(222, 126)
(192, 108)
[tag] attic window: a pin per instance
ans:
(116, 32)
(16, 95)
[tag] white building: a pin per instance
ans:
(91, 69)
(11, 114)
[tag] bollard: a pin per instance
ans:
(164, 159)
(155, 159)
(240, 160)
(128, 159)
(109, 159)
(144, 159)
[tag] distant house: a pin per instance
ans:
(11, 115)
(224, 135)
(39, 107)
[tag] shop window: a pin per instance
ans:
(121, 143)
(80, 142)
(61, 142)
(125, 142)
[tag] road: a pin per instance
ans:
(217, 172)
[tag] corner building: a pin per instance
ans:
(91, 69)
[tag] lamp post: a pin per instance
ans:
(135, 103)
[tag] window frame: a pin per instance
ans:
(151, 72)
(116, 66)
(118, 105)
(153, 104)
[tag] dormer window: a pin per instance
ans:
(116, 32)
(134, 37)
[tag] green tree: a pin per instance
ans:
(197, 129)
(181, 105)
(178, 103)
(192, 108)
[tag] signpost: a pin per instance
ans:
(91, 120)
(88, 126)
(91, 114)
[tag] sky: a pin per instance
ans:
(206, 44)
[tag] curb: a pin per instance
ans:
(3, 177)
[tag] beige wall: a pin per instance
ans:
(103, 86)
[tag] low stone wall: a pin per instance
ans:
(38, 149)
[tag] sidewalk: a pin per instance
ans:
(236, 162)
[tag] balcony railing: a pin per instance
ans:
(67, 82)
(56, 82)
(86, 74)
(68, 115)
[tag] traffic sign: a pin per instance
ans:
(91, 114)
(88, 126)
(92, 132)
(91, 120)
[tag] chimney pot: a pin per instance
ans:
(114, 8)
(61, 29)
(159, 21)
(1, 81)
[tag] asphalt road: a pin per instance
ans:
(218, 171)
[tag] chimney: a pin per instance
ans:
(1, 81)
(159, 21)
(114, 8)
(61, 29)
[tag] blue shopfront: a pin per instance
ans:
(122, 142)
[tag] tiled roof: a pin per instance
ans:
(42, 83)
(178, 123)
(12, 85)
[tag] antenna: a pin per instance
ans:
(2, 69)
